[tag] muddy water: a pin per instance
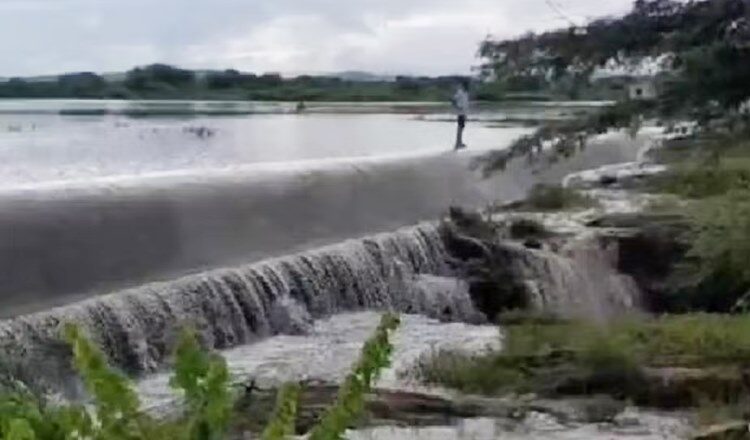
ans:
(332, 347)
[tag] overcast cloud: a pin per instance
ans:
(288, 36)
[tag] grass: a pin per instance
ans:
(556, 198)
(713, 190)
(525, 228)
(571, 358)
(698, 179)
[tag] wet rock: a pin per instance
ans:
(648, 251)
(639, 220)
(471, 223)
(601, 409)
(533, 243)
(626, 175)
(607, 180)
(463, 247)
(573, 278)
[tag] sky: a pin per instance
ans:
(425, 37)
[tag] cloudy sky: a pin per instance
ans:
(288, 36)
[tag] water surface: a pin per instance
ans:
(53, 140)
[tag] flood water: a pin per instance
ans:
(330, 350)
(334, 345)
(52, 140)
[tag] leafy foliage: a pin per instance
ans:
(715, 273)
(203, 379)
(702, 48)
(713, 276)
(563, 139)
(24, 416)
(706, 178)
(281, 425)
(117, 405)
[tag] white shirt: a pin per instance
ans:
(461, 101)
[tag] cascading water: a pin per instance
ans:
(406, 270)
(578, 281)
(230, 307)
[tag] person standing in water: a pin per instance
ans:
(460, 103)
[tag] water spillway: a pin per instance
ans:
(405, 271)
(60, 243)
(137, 328)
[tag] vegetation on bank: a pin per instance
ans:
(558, 358)
(209, 401)
(702, 47)
(555, 198)
(712, 179)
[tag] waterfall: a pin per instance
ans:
(406, 271)
(577, 281)
(228, 307)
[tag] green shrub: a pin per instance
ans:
(351, 398)
(715, 275)
(117, 406)
(281, 425)
(705, 179)
(556, 197)
(525, 228)
(526, 316)
(203, 379)
(552, 358)
(474, 374)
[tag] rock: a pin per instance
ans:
(463, 247)
(607, 180)
(395, 407)
(602, 409)
(471, 223)
(675, 387)
(533, 243)
(648, 249)
(623, 175)
(727, 431)
(290, 317)
(638, 220)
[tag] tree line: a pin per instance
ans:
(162, 81)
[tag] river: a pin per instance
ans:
(100, 196)
(61, 140)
